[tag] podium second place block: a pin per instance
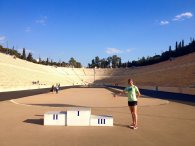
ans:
(55, 118)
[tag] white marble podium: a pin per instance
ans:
(77, 116)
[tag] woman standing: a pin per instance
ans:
(133, 94)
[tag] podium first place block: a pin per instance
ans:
(78, 116)
(55, 118)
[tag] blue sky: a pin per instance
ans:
(83, 29)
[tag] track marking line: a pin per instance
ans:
(19, 103)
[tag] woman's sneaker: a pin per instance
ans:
(131, 126)
(135, 127)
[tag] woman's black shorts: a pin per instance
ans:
(132, 103)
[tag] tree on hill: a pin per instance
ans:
(29, 57)
(176, 46)
(78, 65)
(40, 60)
(114, 61)
(180, 50)
(97, 62)
(182, 43)
(103, 63)
(23, 54)
(47, 61)
(10, 51)
(74, 63)
(109, 60)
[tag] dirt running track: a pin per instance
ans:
(160, 122)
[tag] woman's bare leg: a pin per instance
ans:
(135, 115)
(131, 110)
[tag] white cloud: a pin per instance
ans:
(28, 29)
(117, 51)
(183, 16)
(113, 51)
(42, 21)
(128, 50)
(2, 38)
(165, 22)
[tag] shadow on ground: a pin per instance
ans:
(34, 121)
(121, 125)
(57, 105)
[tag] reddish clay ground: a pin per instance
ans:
(160, 122)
